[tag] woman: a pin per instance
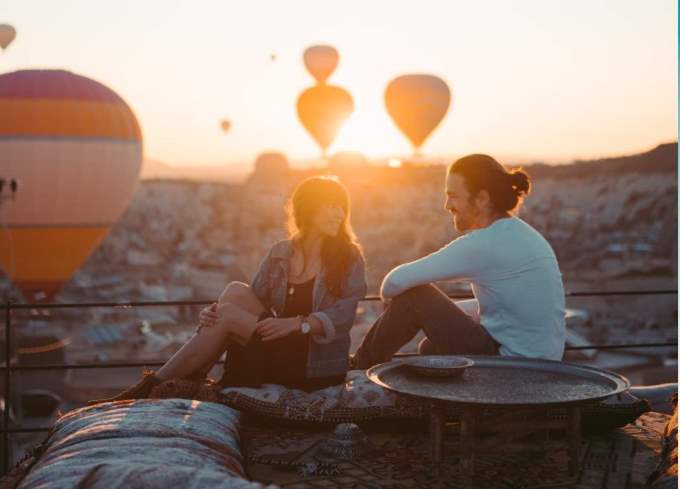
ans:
(291, 325)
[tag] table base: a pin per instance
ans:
(504, 430)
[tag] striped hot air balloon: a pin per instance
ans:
(75, 149)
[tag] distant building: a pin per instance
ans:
(269, 167)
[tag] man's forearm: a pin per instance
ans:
(404, 277)
(445, 264)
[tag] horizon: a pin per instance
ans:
(541, 84)
(236, 170)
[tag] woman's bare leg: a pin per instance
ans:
(240, 308)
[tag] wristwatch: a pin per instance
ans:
(305, 327)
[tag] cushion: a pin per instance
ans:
(142, 443)
(360, 399)
(665, 474)
(356, 400)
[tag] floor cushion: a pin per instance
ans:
(359, 399)
(142, 443)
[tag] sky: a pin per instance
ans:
(532, 80)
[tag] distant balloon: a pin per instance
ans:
(321, 61)
(322, 110)
(225, 125)
(7, 35)
(417, 104)
(76, 149)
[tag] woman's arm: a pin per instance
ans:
(274, 328)
(260, 283)
(328, 323)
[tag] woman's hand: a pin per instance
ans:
(274, 328)
(208, 316)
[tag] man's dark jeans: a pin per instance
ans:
(448, 329)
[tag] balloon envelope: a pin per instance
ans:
(417, 104)
(7, 35)
(225, 125)
(321, 61)
(322, 110)
(76, 149)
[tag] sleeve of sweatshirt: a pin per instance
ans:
(462, 259)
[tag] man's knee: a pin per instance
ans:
(415, 293)
(234, 291)
(425, 347)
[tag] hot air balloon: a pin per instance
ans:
(76, 149)
(322, 110)
(7, 35)
(225, 125)
(417, 104)
(321, 61)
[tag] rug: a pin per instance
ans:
(291, 457)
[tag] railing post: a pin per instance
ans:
(7, 390)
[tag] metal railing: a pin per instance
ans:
(8, 368)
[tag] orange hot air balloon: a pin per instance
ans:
(321, 61)
(7, 35)
(225, 125)
(322, 110)
(417, 104)
(76, 149)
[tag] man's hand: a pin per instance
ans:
(274, 328)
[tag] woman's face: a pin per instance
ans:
(328, 219)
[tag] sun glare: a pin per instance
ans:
(370, 133)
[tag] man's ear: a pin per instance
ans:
(483, 199)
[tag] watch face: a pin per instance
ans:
(306, 328)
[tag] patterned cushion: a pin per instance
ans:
(355, 400)
(142, 443)
(360, 399)
(665, 474)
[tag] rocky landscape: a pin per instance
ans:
(612, 223)
(605, 219)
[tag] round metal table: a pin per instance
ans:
(519, 391)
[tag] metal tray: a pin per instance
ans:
(505, 381)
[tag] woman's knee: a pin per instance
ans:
(243, 296)
(235, 291)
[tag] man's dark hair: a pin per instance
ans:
(482, 172)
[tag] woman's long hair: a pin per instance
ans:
(337, 252)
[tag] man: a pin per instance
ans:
(517, 284)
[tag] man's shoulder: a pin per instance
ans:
(508, 233)
(532, 239)
(512, 224)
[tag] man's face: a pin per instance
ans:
(465, 213)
